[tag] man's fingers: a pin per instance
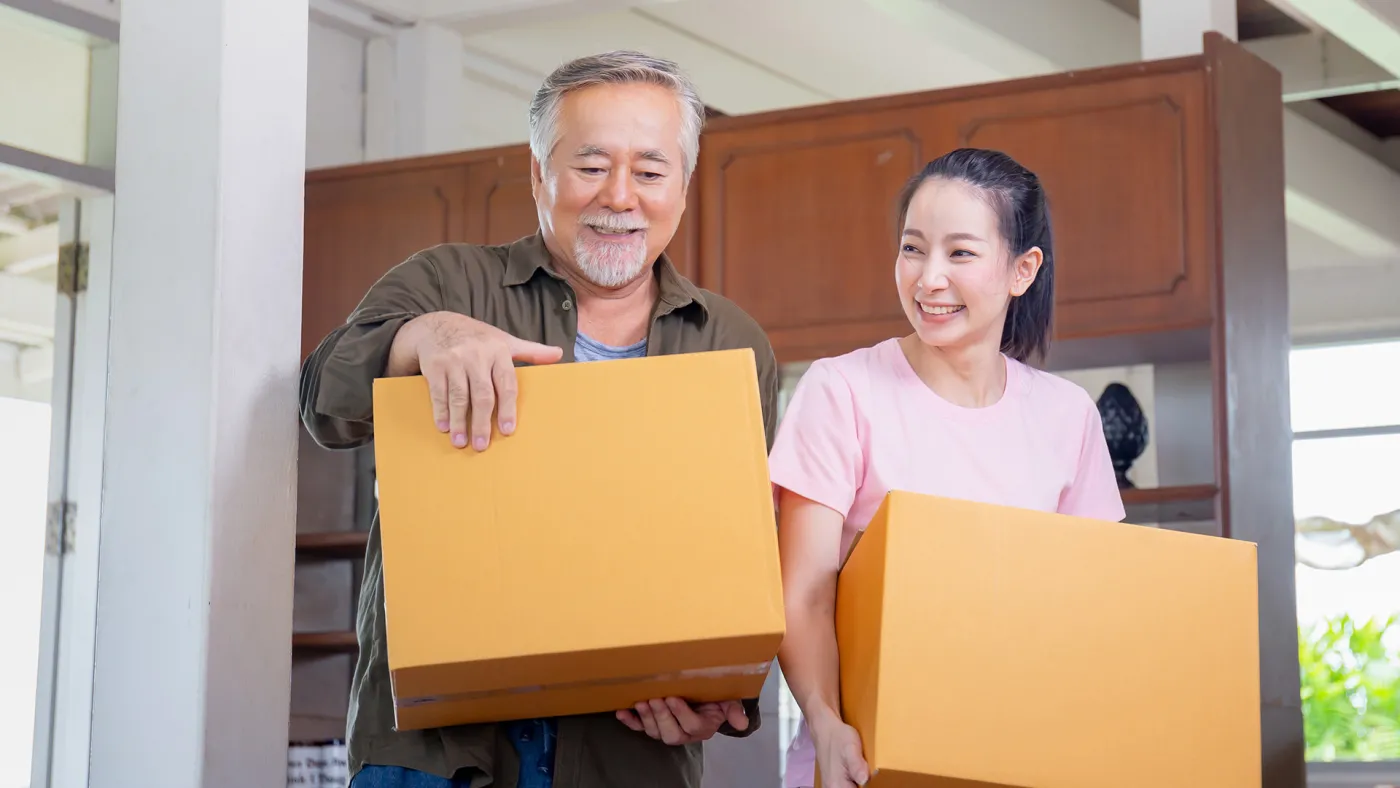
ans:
(458, 400)
(691, 721)
(503, 377)
(483, 399)
(534, 352)
(437, 392)
(648, 720)
(629, 718)
(666, 723)
(735, 714)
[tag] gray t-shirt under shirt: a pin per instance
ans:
(589, 349)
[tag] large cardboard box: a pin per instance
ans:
(985, 646)
(620, 546)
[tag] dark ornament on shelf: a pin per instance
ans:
(1125, 429)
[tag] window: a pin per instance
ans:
(24, 476)
(1346, 499)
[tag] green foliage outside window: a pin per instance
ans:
(1351, 689)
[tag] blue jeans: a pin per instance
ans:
(533, 741)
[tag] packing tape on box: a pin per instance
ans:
(754, 669)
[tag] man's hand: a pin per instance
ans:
(674, 722)
(469, 368)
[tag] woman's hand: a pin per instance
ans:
(840, 759)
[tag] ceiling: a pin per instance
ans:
(1255, 18)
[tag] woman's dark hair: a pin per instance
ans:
(1023, 214)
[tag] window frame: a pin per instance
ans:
(1347, 774)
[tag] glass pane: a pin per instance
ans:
(1347, 499)
(1344, 386)
(24, 474)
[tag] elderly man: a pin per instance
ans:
(614, 140)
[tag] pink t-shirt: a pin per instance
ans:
(863, 424)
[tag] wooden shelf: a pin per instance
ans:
(336, 546)
(326, 642)
(1186, 503)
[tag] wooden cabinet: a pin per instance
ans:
(363, 220)
(797, 222)
(792, 213)
(798, 208)
(1124, 165)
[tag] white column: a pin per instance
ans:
(415, 93)
(1174, 28)
(193, 647)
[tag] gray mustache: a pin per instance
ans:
(612, 224)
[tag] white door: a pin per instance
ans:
(68, 624)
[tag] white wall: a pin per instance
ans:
(1140, 380)
(334, 98)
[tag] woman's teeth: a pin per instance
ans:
(941, 310)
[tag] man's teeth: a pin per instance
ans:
(941, 310)
(607, 231)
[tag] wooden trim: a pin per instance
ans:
(341, 545)
(1165, 505)
(343, 642)
(1250, 370)
(923, 98)
(411, 163)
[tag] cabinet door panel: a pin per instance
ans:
(1123, 163)
(502, 208)
(798, 225)
(358, 228)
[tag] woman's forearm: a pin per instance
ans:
(809, 658)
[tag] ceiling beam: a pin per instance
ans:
(31, 264)
(12, 225)
(1339, 192)
(26, 310)
(17, 249)
(1371, 28)
(1316, 66)
(485, 15)
(354, 19)
(83, 180)
(70, 15)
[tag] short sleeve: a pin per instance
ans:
(1094, 491)
(818, 453)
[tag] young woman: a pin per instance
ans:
(952, 409)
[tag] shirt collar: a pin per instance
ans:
(529, 256)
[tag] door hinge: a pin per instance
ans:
(60, 534)
(72, 268)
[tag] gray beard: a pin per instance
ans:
(609, 267)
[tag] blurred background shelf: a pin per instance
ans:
(342, 642)
(334, 546)
(1166, 505)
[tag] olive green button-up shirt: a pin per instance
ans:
(515, 288)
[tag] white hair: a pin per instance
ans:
(614, 68)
